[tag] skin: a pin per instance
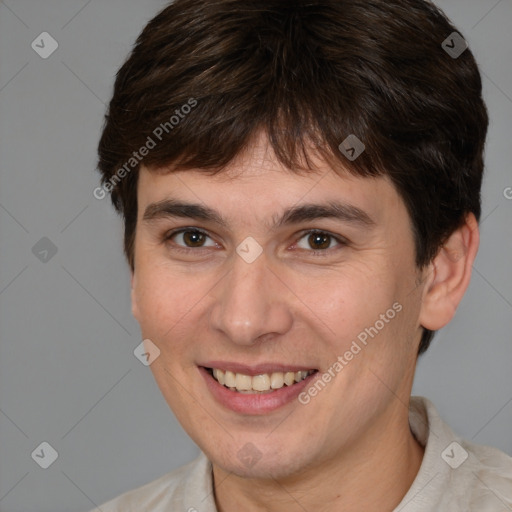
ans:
(350, 447)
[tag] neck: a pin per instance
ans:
(372, 475)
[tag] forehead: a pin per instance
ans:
(256, 185)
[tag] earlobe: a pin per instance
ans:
(449, 275)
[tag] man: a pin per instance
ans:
(300, 186)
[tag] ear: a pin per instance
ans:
(133, 282)
(448, 275)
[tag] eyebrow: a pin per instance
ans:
(171, 208)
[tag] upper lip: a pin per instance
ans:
(256, 369)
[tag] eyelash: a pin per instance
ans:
(315, 252)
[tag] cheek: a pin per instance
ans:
(164, 300)
(343, 304)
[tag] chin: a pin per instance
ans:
(264, 462)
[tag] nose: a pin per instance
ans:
(251, 303)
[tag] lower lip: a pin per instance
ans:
(254, 403)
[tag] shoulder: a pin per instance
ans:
(173, 491)
(487, 476)
(456, 474)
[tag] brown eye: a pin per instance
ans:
(319, 241)
(190, 239)
(193, 238)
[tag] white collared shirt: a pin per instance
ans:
(455, 476)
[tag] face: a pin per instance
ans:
(259, 272)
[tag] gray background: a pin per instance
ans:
(68, 373)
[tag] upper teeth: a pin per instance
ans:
(263, 382)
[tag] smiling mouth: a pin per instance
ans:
(264, 383)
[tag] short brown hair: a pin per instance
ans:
(309, 73)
